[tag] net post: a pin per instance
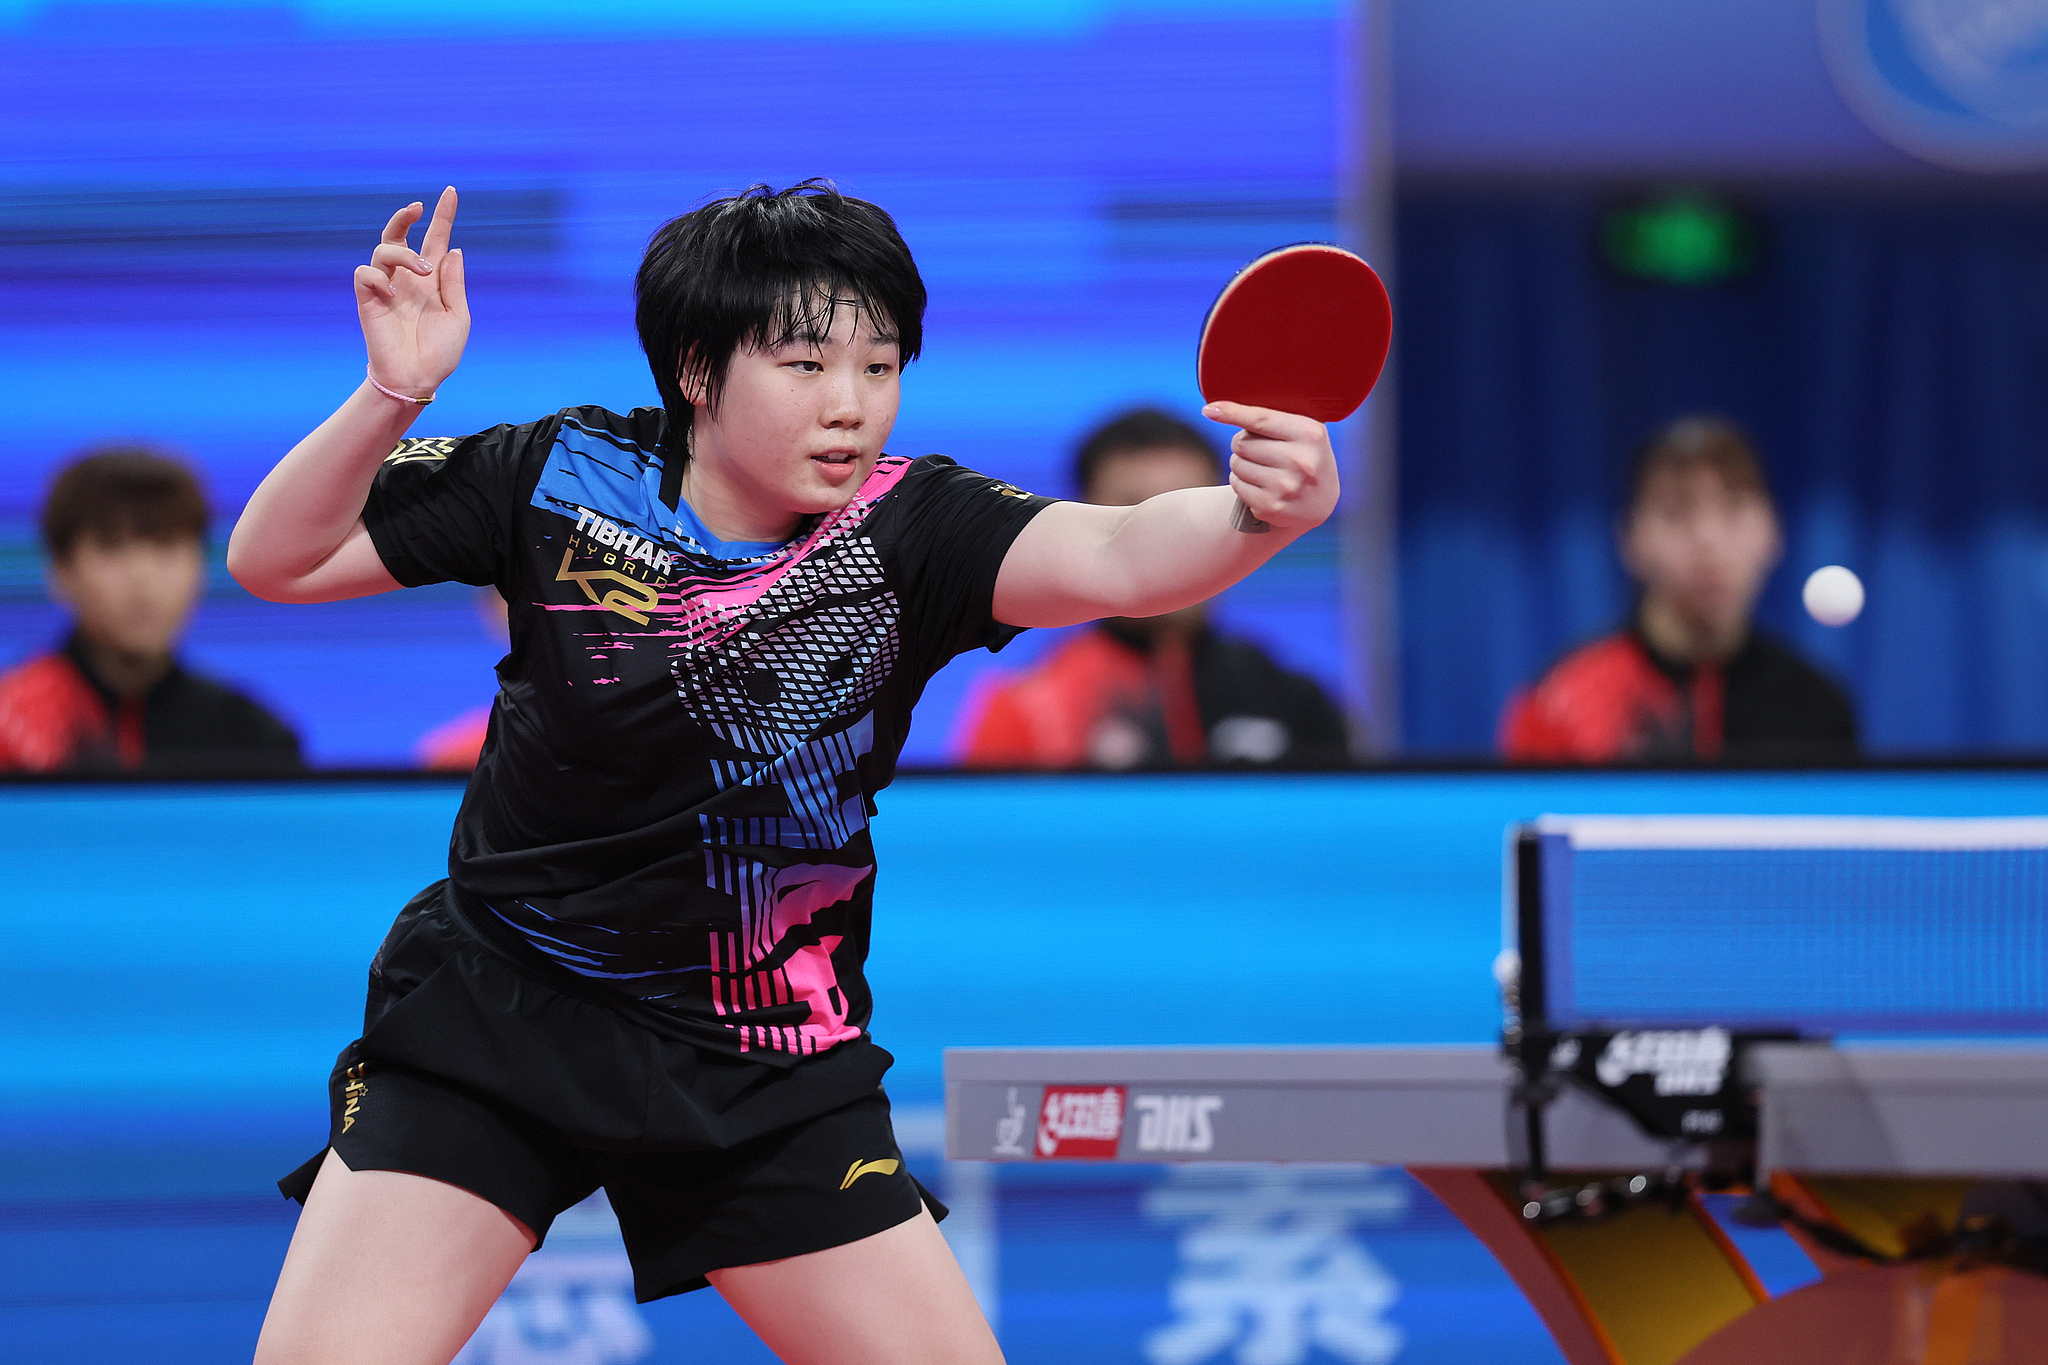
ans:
(1531, 1006)
(1526, 1037)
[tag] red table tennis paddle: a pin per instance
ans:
(1303, 329)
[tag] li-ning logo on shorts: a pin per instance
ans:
(886, 1166)
(356, 1088)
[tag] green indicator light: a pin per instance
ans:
(1686, 239)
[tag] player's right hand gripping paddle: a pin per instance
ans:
(1303, 329)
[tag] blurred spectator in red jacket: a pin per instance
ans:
(125, 531)
(1688, 678)
(1161, 691)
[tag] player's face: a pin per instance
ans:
(798, 427)
(131, 596)
(1701, 546)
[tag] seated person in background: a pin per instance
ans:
(1689, 678)
(125, 533)
(454, 746)
(1158, 691)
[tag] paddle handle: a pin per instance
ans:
(1243, 519)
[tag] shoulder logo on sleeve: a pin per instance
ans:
(1009, 490)
(414, 449)
(1080, 1120)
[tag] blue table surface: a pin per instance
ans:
(179, 965)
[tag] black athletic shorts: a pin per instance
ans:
(475, 1070)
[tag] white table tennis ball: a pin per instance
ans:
(1833, 595)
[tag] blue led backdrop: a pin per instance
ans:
(184, 190)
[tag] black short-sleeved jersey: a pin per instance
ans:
(674, 795)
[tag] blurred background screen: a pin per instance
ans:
(185, 189)
(1823, 224)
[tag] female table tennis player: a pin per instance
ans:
(644, 969)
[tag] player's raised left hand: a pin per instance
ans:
(413, 307)
(1281, 465)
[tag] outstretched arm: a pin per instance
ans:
(301, 538)
(1075, 562)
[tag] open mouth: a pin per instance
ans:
(837, 457)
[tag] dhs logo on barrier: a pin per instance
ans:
(1961, 83)
(1080, 1121)
(1177, 1123)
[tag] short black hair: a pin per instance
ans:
(1698, 441)
(766, 267)
(1139, 429)
(120, 493)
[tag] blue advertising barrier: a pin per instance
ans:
(181, 964)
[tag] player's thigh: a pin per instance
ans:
(388, 1269)
(895, 1298)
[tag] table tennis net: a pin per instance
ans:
(1831, 925)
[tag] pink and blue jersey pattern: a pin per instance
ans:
(674, 799)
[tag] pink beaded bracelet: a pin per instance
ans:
(401, 397)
